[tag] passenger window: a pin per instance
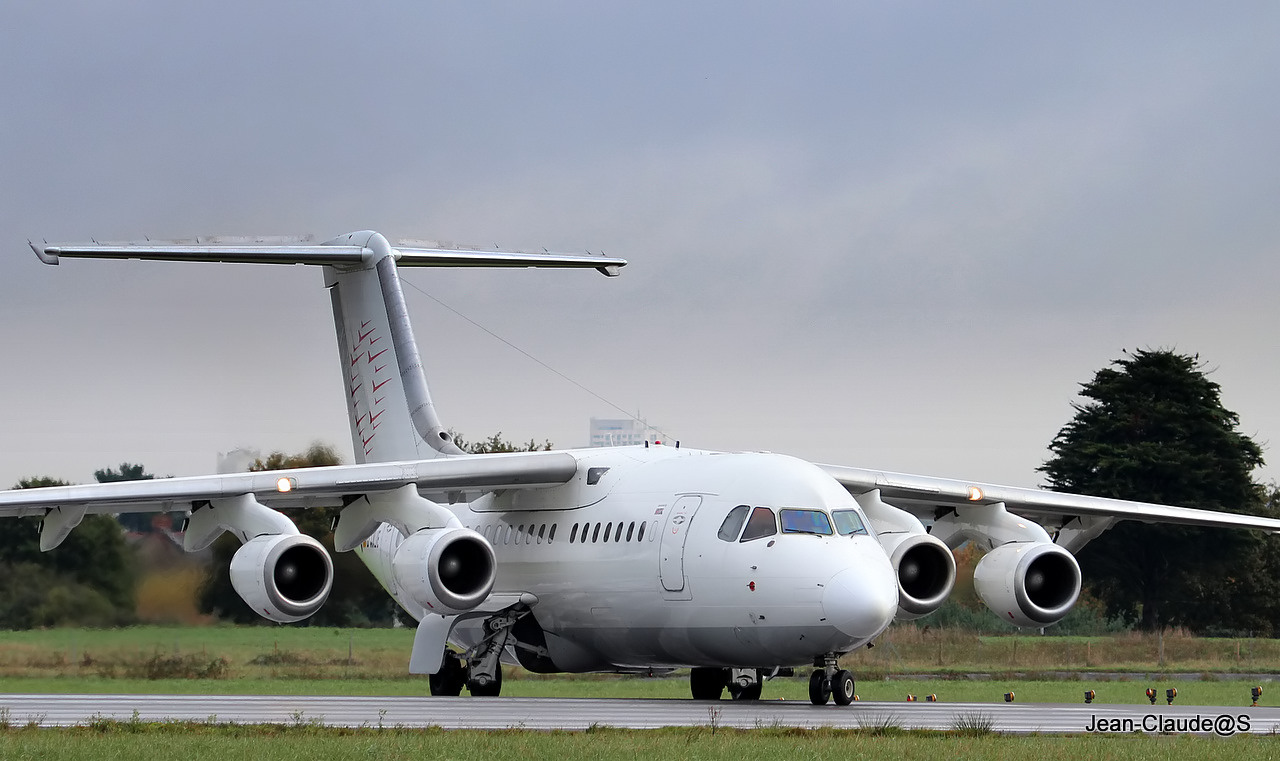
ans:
(573, 533)
(732, 525)
(631, 528)
(595, 535)
(542, 532)
(551, 537)
(617, 533)
(507, 539)
(608, 527)
(806, 522)
(640, 538)
(760, 525)
(848, 522)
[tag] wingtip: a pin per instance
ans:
(47, 254)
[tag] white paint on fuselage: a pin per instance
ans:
(761, 603)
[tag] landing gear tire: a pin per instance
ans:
(486, 688)
(451, 677)
(707, 683)
(819, 688)
(842, 688)
(750, 692)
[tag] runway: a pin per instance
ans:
(579, 714)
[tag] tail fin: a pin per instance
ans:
(388, 403)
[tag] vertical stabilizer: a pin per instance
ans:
(390, 410)
(388, 404)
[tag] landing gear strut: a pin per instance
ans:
(479, 669)
(485, 677)
(831, 681)
(745, 684)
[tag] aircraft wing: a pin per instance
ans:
(301, 487)
(928, 498)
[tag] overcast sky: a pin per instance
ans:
(893, 235)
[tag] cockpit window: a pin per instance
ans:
(762, 524)
(848, 522)
(733, 523)
(805, 522)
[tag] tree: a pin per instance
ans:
(138, 523)
(1154, 429)
(89, 580)
(495, 444)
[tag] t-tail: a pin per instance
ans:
(388, 403)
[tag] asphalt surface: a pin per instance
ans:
(578, 714)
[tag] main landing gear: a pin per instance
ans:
(479, 669)
(710, 683)
(830, 681)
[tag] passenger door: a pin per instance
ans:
(674, 535)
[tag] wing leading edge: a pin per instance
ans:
(928, 497)
(301, 487)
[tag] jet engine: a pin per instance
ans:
(1028, 583)
(445, 570)
(283, 577)
(926, 572)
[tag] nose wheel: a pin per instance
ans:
(831, 681)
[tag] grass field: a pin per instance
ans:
(306, 660)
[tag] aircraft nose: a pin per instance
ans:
(862, 600)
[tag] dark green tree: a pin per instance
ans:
(138, 523)
(495, 444)
(1152, 428)
(89, 580)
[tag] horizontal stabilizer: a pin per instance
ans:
(326, 254)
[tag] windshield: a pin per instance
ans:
(849, 522)
(733, 523)
(806, 522)
(760, 525)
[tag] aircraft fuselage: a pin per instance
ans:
(638, 563)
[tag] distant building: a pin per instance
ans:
(607, 432)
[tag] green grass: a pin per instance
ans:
(294, 660)
(1214, 693)
(136, 740)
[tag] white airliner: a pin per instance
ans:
(737, 565)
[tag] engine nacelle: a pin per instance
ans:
(926, 572)
(445, 570)
(1028, 583)
(283, 577)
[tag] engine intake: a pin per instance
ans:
(446, 570)
(283, 577)
(925, 569)
(1028, 583)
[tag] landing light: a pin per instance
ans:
(975, 494)
(285, 485)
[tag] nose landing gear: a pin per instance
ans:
(831, 681)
